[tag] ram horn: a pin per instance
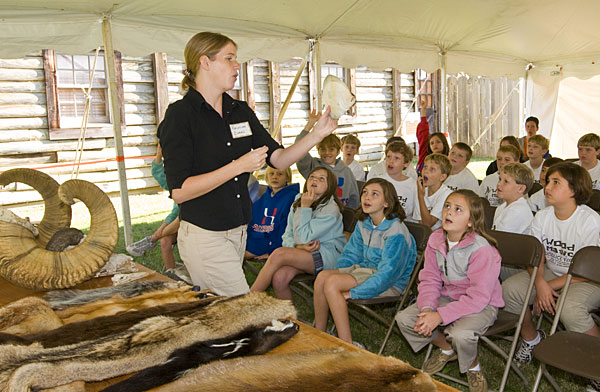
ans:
(24, 262)
(57, 215)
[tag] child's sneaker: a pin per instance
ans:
(524, 353)
(179, 274)
(359, 345)
(138, 248)
(477, 381)
(593, 386)
(437, 361)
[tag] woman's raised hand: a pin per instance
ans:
(326, 124)
(253, 160)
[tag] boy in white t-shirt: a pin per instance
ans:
(351, 147)
(563, 228)
(505, 155)
(379, 168)
(397, 157)
(537, 148)
(588, 148)
(432, 192)
(537, 201)
(514, 215)
(460, 177)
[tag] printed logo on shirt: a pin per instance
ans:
(240, 130)
(403, 201)
(558, 252)
(453, 188)
(264, 227)
(492, 195)
(339, 188)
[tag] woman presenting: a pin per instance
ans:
(210, 143)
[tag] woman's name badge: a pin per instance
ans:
(240, 130)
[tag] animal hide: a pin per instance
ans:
(146, 344)
(117, 304)
(105, 326)
(328, 370)
(337, 95)
(253, 341)
(62, 299)
(64, 238)
(28, 315)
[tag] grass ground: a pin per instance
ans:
(148, 211)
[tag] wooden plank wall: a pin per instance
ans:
(472, 101)
(24, 140)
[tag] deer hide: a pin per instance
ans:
(328, 370)
(28, 315)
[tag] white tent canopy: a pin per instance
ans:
(480, 37)
(559, 38)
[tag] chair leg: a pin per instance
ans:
(509, 363)
(387, 335)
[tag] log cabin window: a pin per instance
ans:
(73, 74)
(67, 83)
(348, 75)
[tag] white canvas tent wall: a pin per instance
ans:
(479, 37)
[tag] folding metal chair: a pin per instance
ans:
(421, 234)
(594, 202)
(573, 352)
(521, 251)
(305, 281)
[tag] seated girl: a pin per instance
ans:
(459, 290)
(270, 213)
(377, 261)
(313, 238)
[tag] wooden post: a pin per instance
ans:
(443, 93)
(51, 99)
(161, 85)
(116, 114)
(317, 64)
(275, 95)
(249, 83)
(397, 101)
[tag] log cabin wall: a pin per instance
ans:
(25, 140)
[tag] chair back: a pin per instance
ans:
(585, 263)
(518, 250)
(349, 219)
(534, 188)
(594, 202)
(420, 233)
(261, 189)
(488, 216)
(360, 185)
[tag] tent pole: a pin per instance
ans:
(317, 65)
(443, 93)
(116, 117)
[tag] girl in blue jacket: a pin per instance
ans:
(377, 261)
(270, 213)
(313, 238)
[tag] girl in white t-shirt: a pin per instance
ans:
(563, 228)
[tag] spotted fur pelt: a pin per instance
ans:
(62, 299)
(104, 326)
(327, 370)
(146, 344)
(253, 341)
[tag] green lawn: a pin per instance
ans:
(148, 212)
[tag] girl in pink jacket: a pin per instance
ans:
(459, 290)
